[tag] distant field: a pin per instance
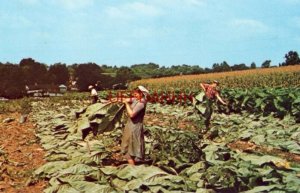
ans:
(109, 74)
(268, 77)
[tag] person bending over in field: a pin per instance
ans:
(211, 95)
(133, 145)
(94, 94)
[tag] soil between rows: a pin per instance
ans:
(21, 155)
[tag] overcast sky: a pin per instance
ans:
(167, 32)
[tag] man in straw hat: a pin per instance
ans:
(133, 145)
(211, 95)
(94, 94)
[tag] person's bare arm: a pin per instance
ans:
(133, 112)
(202, 86)
(119, 99)
(220, 99)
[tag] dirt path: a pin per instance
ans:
(20, 155)
(247, 146)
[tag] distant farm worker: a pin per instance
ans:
(133, 145)
(211, 94)
(94, 94)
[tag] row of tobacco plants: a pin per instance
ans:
(82, 144)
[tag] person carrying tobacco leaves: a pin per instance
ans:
(133, 145)
(211, 95)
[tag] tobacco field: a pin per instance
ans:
(281, 77)
(253, 147)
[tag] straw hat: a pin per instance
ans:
(144, 90)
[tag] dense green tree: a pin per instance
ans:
(34, 72)
(59, 73)
(153, 70)
(266, 64)
(145, 70)
(196, 69)
(291, 58)
(223, 67)
(125, 74)
(11, 81)
(87, 74)
(108, 69)
(239, 67)
(253, 65)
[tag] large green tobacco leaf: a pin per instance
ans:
(129, 172)
(221, 177)
(50, 168)
(196, 167)
(203, 190)
(199, 103)
(84, 186)
(216, 153)
(100, 118)
(111, 120)
(291, 146)
(109, 170)
(259, 189)
(260, 160)
(78, 169)
(200, 97)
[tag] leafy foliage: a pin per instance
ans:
(181, 161)
(291, 58)
(59, 73)
(87, 74)
(99, 118)
(11, 81)
(280, 102)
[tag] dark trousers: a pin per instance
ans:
(208, 112)
(94, 99)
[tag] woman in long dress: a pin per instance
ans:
(133, 145)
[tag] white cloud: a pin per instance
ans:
(144, 9)
(179, 3)
(249, 24)
(30, 2)
(133, 10)
(116, 12)
(73, 4)
(195, 2)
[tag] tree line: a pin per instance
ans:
(15, 78)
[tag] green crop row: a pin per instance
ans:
(247, 79)
(280, 101)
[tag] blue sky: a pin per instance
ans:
(167, 32)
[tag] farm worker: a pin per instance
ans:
(211, 94)
(94, 94)
(133, 145)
